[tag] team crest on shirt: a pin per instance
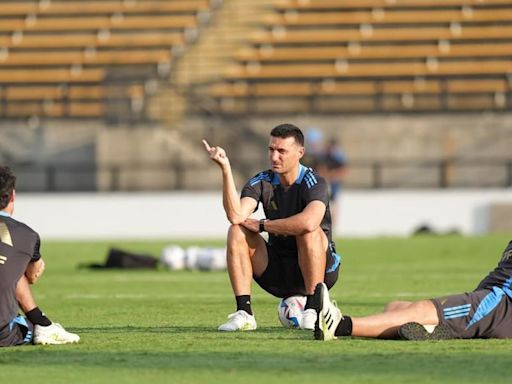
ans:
(3, 259)
(5, 234)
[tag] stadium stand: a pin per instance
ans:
(386, 17)
(329, 5)
(77, 58)
(379, 55)
(87, 86)
(16, 8)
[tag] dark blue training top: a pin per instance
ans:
(19, 245)
(280, 202)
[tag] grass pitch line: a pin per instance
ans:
(139, 296)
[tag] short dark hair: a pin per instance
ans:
(7, 185)
(288, 130)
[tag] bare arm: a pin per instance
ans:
(237, 210)
(24, 295)
(34, 270)
(306, 221)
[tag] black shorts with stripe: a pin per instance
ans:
(484, 313)
(283, 277)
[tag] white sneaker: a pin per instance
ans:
(308, 319)
(53, 334)
(239, 321)
(328, 314)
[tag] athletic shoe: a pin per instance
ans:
(239, 321)
(417, 331)
(308, 319)
(328, 314)
(54, 334)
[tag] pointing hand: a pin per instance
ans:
(217, 154)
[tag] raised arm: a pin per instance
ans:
(237, 210)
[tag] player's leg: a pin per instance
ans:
(45, 331)
(484, 313)
(417, 330)
(246, 257)
(394, 305)
(331, 323)
(386, 324)
(312, 247)
(312, 255)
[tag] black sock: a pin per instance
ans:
(243, 303)
(311, 303)
(344, 328)
(36, 317)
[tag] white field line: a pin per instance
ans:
(174, 295)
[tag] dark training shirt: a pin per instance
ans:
(501, 276)
(280, 202)
(19, 245)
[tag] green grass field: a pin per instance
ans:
(160, 327)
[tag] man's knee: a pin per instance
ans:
(396, 305)
(235, 233)
(315, 240)
(31, 278)
(34, 271)
(426, 312)
(240, 236)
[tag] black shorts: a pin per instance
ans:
(485, 313)
(283, 277)
(19, 331)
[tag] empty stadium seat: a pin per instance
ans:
(65, 58)
(14, 8)
(401, 55)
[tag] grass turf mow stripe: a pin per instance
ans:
(160, 326)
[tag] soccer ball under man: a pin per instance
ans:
(290, 311)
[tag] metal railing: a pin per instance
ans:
(363, 174)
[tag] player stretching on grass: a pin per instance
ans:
(483, 313)
(299, 253)
(21, 265)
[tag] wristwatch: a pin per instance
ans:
(262, 225)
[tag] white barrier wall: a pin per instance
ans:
(400, 213)
(200, 215)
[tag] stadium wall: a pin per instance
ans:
(200, 214)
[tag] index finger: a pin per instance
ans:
(206, 145)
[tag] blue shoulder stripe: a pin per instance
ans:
(310, 180)
(263, 176)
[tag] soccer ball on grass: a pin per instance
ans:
(290, 311)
